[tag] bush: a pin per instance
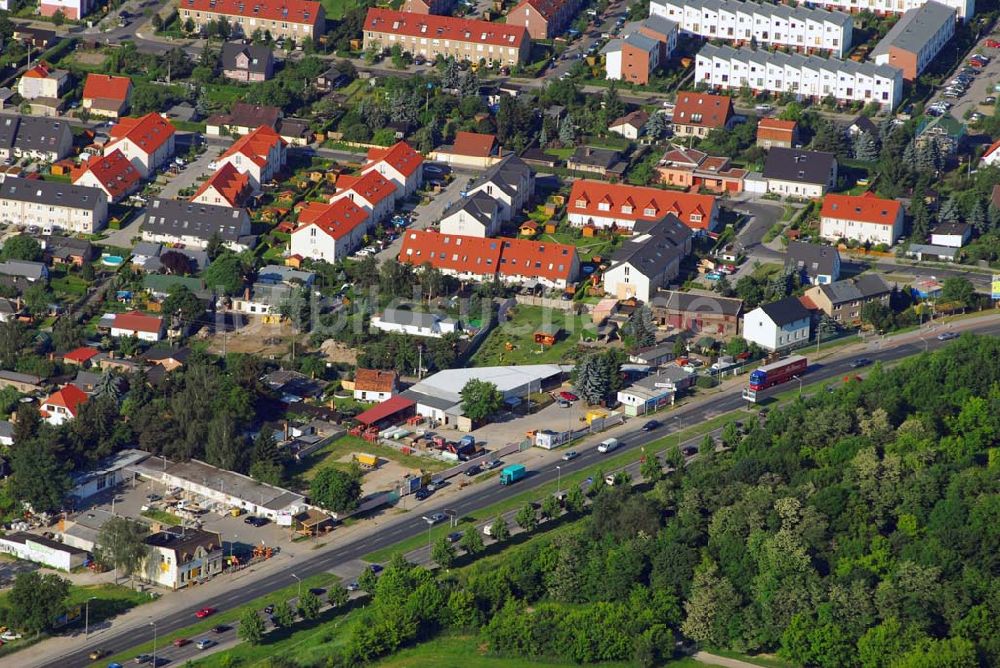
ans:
(705, 382)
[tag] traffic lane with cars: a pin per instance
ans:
(488, 495)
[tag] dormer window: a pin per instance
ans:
(604, 206)
(649, 211)
(581, 204)
(626, 208)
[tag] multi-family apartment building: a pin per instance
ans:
(330, 232)
(916, 39)
(260, 155)
(50, 205)
(429, 36)
(400, 164)
(71, 9)
(372, 192)
(965, 8)
(644, 46)
(863, 218)
(605, 205)
(543, 19)
(726, 68)
(289, 19)
(802, 28)
(843, 300)
(147, 141)
(113, 173)
(226, 187)
(170, 221)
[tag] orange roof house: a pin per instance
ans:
(63, 405)
(398, 163)
(375, 384)
(864, 218)
(510, 260)
(138, 324)
(80, 356)
(776, 132)
(329, 231)
(261, 154)
(371, 191)
(471, 149)
(106, 95)
(147, 141)
(601, 204)
(697, 114)
(226, 187)
(543, 19)
(113, 173)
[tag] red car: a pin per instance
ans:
(993, 43)
(568, 396)
(204, 612)
(180, 642)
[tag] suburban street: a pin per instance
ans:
(171, 615)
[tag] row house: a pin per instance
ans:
(288, 19)
(113, 173)
(399, 164)
(510, 182)
(51, 205)
(107, 96)
(512, 261)
(914, 41)
(726, 68)
(803, 28)
(964, 8)
(864, 218)
(170, 221)
(371, 191)
(226, 187)
(330, 232)
(147, 141)
(35, 137)
(260, 155)
(475, 216)
(604, 205)
(431, 36)
(648, 260)
(543, 19)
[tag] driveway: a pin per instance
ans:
(195, 172)
(426, 215)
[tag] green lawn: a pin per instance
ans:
(69, 284)
(587, 247)
(224, 617)
(162, 516)
(305, 470)
(335, 9)
(520, 332)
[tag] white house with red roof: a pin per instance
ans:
(329, 232)
(470, 149)
(42, 80)
(601, 204)
(400, 164)
(71, 9)
(260, 155)
(113, 173)
(371, 191)
(147, 141)
(226, 187)
(63, 405)
(106, 95)
(992, 155)
(143, 327)
(863, 218)
(514, 261)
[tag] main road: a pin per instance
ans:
(488, 494)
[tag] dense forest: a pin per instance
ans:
(851, 528)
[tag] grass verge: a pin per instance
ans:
(162, 516)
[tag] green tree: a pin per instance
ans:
(36, 601)
(575, 500)
(958, 290)
(526, 518)
(267, 463)
(66, 333)
(480, 399)
(225, 273)
(37, 476)
(877, 315)
(472, 542)
(283, 616)
(499, 530)
(368, 581)
(651, 469)
(640, 327)
(550, 507)
(224, 446)
(251, 627)
(336, 490)
(183, 304)
(309, 606)
(337, 595)
(121, 545)
(443, 552)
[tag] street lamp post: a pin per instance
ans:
(299, 580)
(558, 479)
(800, 384)
(153, 624)
(86, 617)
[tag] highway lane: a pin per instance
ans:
(488, 494)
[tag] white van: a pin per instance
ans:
(607, 445)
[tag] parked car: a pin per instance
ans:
(205, 612)
(474, 470)
(455, 536)
(689, 450)
(353, 586)
(422, 494)
(993, 43)
(269, 609)
(568, 396)
(564, 404)
(255, 521)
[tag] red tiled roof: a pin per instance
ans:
(400, 156)
(114, 171)
(336, 219)
(230, 183)
(444, 28)
(385, 409)
(69, 397)
(375, 380)
(483, 257)
(148, 132)
(660, 202)
(372, 186)
(39, 71)
(715, 110)
(474, 144)
(255, 145)
(135, 321)
(993, 147)
(80, 355)
(865, 208)
(106, 87)
(291, 11)
(636, 119)
(773, 128)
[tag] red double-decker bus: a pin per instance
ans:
(778, 372)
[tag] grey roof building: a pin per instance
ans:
(916, 38)
(275, 273)
(477, 215)
(247, 62)
(51, 193)
(653, 253)
(32, 271)
(843, 300)
(33, 136)
(173, 221)
(785, 311)
(818, 263)
(511, 182)
(800, 166)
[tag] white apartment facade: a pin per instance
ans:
(53, 206)
(803, 28)
(965, 8)
(726, 68)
